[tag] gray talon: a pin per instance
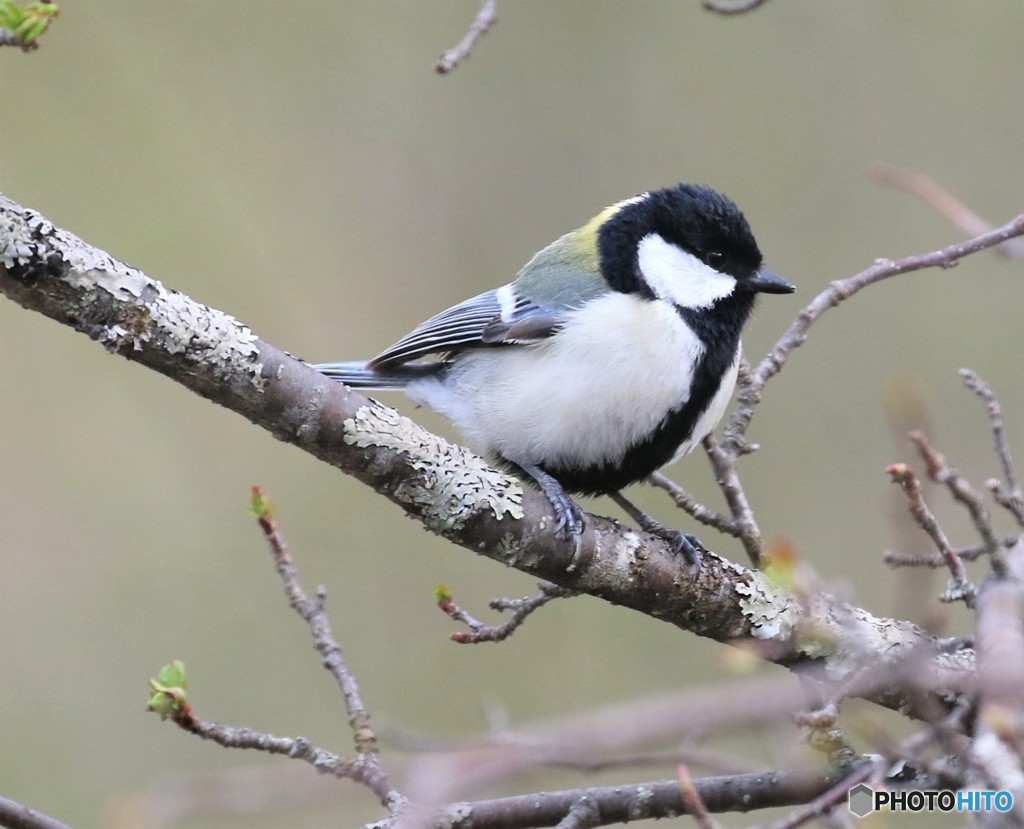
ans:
(570, 517)
(688, 545)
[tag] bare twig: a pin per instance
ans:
(1011, 496)
(944, 202)
(960, 586)
(897, 558)
(751, 382)
(485, 18)
(749, 392)
(366, 768)
(696, 510)
(520, 608)
(731, 6)
(995, 416)
(961, 490)
(299, 748)
(17, 816)
(1013, 505)
(723, 463)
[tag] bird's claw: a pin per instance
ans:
(570, 524)
(570, 517)
(687, 545)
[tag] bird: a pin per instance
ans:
(613, 353)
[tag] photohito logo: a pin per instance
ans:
(864, 800)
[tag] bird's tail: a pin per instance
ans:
(355, 374)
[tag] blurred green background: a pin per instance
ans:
(302, 167)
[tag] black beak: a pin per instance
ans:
(766, 282)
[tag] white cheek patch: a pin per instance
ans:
(679, 277)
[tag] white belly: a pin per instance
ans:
(582, 397)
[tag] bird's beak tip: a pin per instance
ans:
(771, 283)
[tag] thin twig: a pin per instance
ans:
(694, 508)
(897, 558)
(961, 490)
(749, 394)
(995, 416)
(299, 748)
(751, 382)
(521, 609)
(960, 587)
(366, 769)
(485, 18)
(940, 199)
(1014, 505)
(723, 464)
(1011, 497)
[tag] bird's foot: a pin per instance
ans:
(570, 516)
(687, 545)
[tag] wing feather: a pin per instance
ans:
(494, 318)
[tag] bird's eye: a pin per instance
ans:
(714, 259)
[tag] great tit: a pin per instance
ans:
(613, 353)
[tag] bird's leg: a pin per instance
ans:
(688, 545)
(570, 516)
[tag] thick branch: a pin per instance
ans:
(627, 803)
(450, 491)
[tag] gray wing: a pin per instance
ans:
(498, 317)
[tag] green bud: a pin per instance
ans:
(168, 698)
(173, 675)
